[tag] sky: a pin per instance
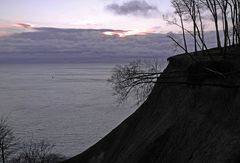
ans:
(84, 29)
(95, 14)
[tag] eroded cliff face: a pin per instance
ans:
(191, 116)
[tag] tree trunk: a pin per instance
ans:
(3, 156)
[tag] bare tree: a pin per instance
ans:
(224, 12)
(7, 140)
(37, 152)
(213, 9)
(234, 15)
(137, 79)
(223, 4)
(180, 12)
(189, 11)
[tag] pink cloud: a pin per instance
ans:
(9, 29)
(17, 25)
(23, 25)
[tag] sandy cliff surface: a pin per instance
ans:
(191, 116)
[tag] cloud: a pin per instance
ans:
(138, 8)
(9, 29)
(23, 25)
(17, 25)
(3, 34)
(85, 45)
(80, 45)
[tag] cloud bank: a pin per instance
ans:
(84, 45)
(141, 8)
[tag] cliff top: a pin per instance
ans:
(192, 115)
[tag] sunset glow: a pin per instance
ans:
(123, 34)
(22, 25)
(7, 30)
(17, 25)
(3, 34)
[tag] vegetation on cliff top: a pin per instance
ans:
(138, 78)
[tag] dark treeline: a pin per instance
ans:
(224, 15)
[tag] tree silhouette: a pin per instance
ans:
(7, 140)
(223, 13)
(37, 151)
(135, 79)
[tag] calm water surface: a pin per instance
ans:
(71, 105)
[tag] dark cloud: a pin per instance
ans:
(133, 8)
(82, 45)
(85, 45)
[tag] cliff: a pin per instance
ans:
(191, 116)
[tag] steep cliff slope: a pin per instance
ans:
(191, 116)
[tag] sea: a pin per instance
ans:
(70, 105)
